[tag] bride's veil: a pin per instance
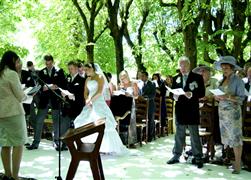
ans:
(106, 91)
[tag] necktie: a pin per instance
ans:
(184, 80)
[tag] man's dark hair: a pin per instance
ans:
(48, 57)
(29, 63)
(145, 73)
(73, 63)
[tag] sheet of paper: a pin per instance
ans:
(119, 92)
(27, 100)
(247, 93)
(216, 92)
(178, 91)
(66, 92)
(27, 90)
(23, 86)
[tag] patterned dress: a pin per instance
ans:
(230, 115)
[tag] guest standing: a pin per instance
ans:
(230, 108)
(75, 103)
(187, 111)
(12, 120)
(148, 91)
(54, 78)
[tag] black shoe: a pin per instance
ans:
(173, 161)
(31, 147)
(200, 164)
(64, 148)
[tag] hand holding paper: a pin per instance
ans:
(178, 91)
(67, 93)
(217, 92)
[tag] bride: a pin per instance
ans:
(97, 108)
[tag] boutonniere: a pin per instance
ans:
(193, 85)
(178, 80)
(45, 72)
(29, 78)
(68, 79)
(76, 84)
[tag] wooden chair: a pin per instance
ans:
(157, 114)
(85, 151)
(246, 130)
(141, 105)
(121, 107)
(169, 115)
(206, 128)
(121, 118)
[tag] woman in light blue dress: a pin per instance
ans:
(230, 108)
(96, 108)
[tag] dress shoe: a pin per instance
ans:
(173, 161)
(31, 147)
(64, 148)
(199, 164)
(236, 172)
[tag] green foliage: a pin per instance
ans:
(10, 16)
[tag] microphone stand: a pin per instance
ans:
(59, 124)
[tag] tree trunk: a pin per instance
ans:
(90, 52)
(118, 42)
(190, 34)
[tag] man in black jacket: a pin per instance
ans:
(187, 111)
(148, 91)
(54, 78)
(75, 102)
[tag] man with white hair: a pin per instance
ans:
(187, 111)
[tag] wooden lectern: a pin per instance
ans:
(85, 151)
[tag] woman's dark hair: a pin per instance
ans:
(158, 78)
(90, 65)
(9, 59)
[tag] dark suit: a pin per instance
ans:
(149, 91)
(71, 110)
(247, 86)
(49, 100)
(29, 80)
(187, 113)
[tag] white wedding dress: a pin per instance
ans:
(111, 142)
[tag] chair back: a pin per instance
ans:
(83, 131)
(157, 100)
(141, 105)
(169, 107)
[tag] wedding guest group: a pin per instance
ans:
(85, 93)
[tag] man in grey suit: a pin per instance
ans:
(148, 91)
(187, 111)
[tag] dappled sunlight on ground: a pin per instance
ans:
(146, 162)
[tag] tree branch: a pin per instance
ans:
(87, 5)
(100, 33)
(162, 45)
(99, 8)
(163, 4)
(82, 14)
(145, 14)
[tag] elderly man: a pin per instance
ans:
(187, 111)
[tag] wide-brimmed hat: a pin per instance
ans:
(227, 60)
(202, 67)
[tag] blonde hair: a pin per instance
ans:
(124, 73)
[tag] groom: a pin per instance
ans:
(187, 111)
